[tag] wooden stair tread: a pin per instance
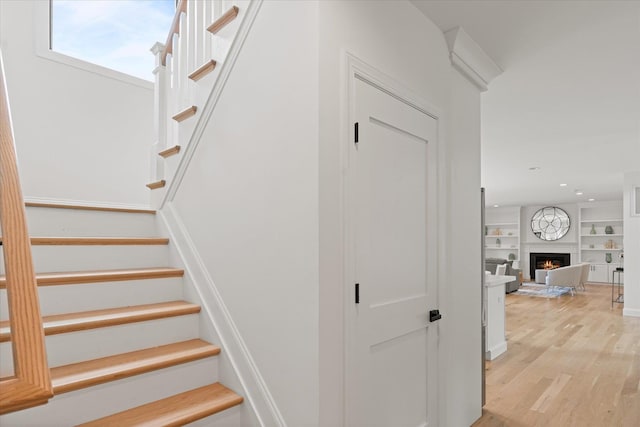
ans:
(175, 410)
(156, 184)
(72, 322)
(203, 70)
(97, 371)
(97, 241)
(89, 208)
(76, 277)
(221, 22)
(170, 151)
(185, 114)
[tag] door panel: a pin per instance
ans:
(393, 349)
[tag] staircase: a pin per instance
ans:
(123, 346)
(187, 73)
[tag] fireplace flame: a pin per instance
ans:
(548, 265)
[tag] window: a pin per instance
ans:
(113, 34)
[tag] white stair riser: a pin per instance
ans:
(231, 417)
(72, 347)
(77, 223)
(52, 258)
(94, 296)
(80, 406)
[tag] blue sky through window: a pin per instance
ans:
(116, 34)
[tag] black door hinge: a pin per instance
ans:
(357, 293)
(355, 133)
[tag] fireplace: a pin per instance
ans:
(547, 261)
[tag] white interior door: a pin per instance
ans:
(392, 358)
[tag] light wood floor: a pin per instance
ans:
(571, 361)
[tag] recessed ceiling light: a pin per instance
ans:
(592, 200)
(534, 168)
(579, 193)
(563, 185)
(496, 206)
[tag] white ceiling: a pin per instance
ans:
(567, 102)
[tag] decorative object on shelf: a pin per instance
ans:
(498, 242)
(609, 244)
(512, 256)
(510, 234)
(486, 230)
(550, 223)
(593, 229)
(591, 246)
(607, 257)
(497, 232)
(608, 229)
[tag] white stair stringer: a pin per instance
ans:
(237, 369)
(84, 405)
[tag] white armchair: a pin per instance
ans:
(569, 276)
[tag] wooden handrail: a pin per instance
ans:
(31, 383)
(175, 29)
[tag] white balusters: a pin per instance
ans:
(191, 46)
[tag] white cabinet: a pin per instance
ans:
(502, 232)
(602, 272)
(598, 273)
(601, 233)
(495, 338)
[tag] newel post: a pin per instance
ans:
(159, 112)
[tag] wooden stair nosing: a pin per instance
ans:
(89, 208)
(176, 410)
(96, 241)
(98, 371)
(203, 70)
(73, 322)
(221, 22)
(156, 184)
(78, 277)
(185, 114)
(170, 151)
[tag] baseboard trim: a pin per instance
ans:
(87, 205)
(255, 389)
(496, 351)
(631, 312)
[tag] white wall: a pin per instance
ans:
(395, 38)
(249, 202)
(631, 248)
(461, 337)
(79, 135)
(262, 199)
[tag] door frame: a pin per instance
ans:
(354, 69)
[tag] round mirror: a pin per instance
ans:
(550, 223)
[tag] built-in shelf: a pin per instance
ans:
(598, 216)
(506, 221)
